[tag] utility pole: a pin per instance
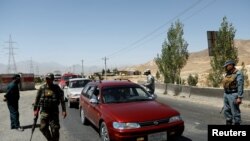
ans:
(105, 62)
(31, 66)
(82, 69)
(11, 61)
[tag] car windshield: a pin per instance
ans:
(78, 83)
(125, 94)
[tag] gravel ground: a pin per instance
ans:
(26, 120)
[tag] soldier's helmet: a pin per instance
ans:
(229, 62)
(147, 71)
(50, 76)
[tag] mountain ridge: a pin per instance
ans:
(199, 62)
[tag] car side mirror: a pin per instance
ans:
(93, 101)
(154, 96)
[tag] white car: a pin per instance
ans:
(73, 90)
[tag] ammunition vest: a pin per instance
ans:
(230, 83)
(50, 97)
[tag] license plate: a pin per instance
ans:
(161, 136)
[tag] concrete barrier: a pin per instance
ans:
(189, 91)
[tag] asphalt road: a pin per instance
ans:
(195, 115)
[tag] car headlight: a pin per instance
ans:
(119, 125)
(76, 94)
(175, 118)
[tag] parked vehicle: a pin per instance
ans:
(57, 78)
(65, 79)
(123, 110)
(73, 90)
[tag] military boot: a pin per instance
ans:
(47, 135)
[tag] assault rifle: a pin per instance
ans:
(34, 124)
(222, 108)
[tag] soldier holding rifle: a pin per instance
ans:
(48, 98)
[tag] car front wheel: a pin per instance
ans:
(104, 132)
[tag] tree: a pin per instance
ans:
(108, 71)
(224, 50)
(192, 80)
(115, 71)
(174, 54)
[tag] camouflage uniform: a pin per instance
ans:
(233, 84)
(48, 99)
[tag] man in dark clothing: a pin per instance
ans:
(12, 97)
(48, 98)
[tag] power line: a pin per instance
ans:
(199, 10)
(149, 37)
(157, 29)
(194, 13)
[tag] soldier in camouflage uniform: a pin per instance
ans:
(233, 84)
(48, 98)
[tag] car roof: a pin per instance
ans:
(108, 83)
(75, 79)
(69, 74)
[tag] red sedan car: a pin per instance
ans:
(123, 110)
(64, 81)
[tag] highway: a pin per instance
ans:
(195, 115)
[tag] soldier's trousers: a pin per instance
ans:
(50, 120)
(14, 114)
(231, 109)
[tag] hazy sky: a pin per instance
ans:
(127, 32)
